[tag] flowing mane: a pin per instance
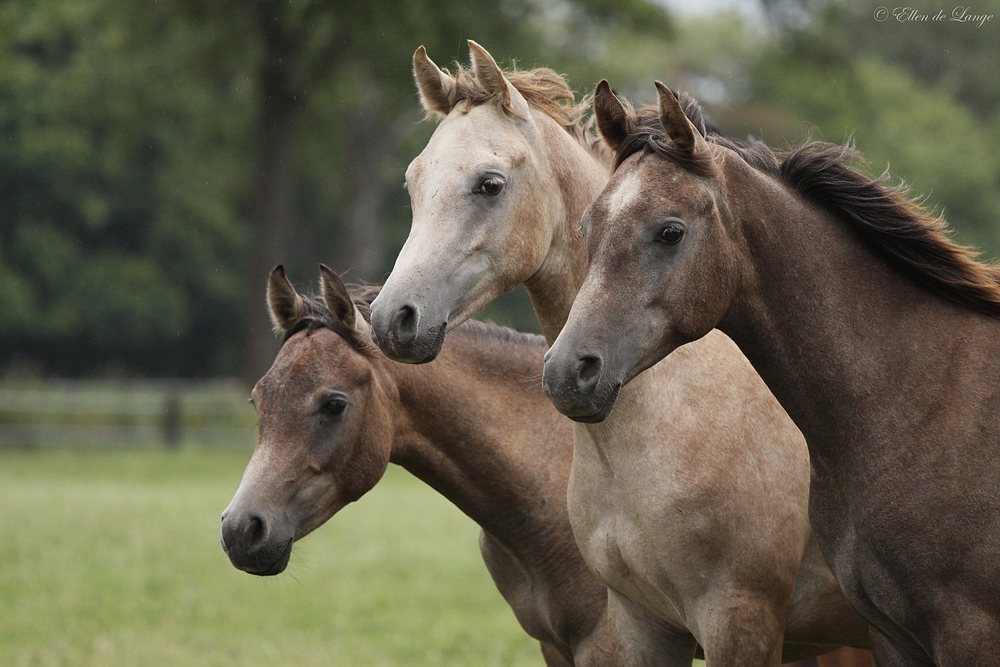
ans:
(318, 316)
(892, 223)
(543, 89)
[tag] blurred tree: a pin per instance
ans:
(935, 144)
(120, 239)
(916, 93)
(952, 49)
(160, 158)
(354, 58)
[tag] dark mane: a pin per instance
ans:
(318, 316)
(893, 224)
(646, 135)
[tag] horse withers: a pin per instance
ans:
(876, 332)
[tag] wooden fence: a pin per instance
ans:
(161, 413)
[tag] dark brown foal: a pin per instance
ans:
(877, 334)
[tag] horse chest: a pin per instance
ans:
(636, 542)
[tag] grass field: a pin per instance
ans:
(112, 558)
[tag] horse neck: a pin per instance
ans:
(475, 426)
(576, 175)
(852, 349)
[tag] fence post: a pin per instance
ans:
(172, 418)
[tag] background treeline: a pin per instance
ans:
(156, 159)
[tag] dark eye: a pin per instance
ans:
(333, 404)
(671, 233)
(491, 185)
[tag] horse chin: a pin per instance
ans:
(415, 352)
(278, 566)
(604, 412)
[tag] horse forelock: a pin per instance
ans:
(646, 135)
(544, 90)
(318, 316)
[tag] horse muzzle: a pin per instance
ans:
(578, 386)
(255, 545)
(406, 332)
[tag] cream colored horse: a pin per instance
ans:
(690, 500)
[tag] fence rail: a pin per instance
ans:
(147, 413)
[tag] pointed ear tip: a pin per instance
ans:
(605, 101)
(478, 53)
(277, 275)
(328, 275)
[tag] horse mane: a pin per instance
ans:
(318, 316)
(543, 89)
(500, 334)
(893, 224)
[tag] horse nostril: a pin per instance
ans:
(256, 530)
(243, 533)
(589, 369)
(404, 324)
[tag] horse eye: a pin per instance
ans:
(491, 186)
(333, 405)
(672, 233)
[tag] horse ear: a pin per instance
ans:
(491, 78)
(283, 301)
(434, 85)
(675, 123)
(613, 121)
(337, 298)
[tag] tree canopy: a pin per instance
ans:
(159, 158)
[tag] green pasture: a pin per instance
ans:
(112, 558)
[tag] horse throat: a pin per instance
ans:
(481, 433)
(578, 175)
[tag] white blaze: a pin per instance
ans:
(629, 188)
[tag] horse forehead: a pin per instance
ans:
(311, 359)
(481, 134)
(624, 192)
